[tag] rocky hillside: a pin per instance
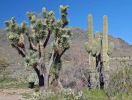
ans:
(121, 48)
(74, 57)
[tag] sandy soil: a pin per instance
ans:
(12, 94)
(9, 97)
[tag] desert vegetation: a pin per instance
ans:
(98, 51)
(54, 73)
(46, 63)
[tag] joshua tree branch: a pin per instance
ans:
(31, 45)
(47, 38)
(53, 56)
(63, 51)
(20, 50)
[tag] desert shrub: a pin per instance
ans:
(65, 94)
(69, 94)
(3, 64)
(120, 83)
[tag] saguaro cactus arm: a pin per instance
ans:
(105, 37)
(90, 29)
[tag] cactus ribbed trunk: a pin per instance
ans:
(98, 55)
(90, 37)
(105, 57)
(92, 60)
(90, 29)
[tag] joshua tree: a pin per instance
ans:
(38, 36)
(98, 51)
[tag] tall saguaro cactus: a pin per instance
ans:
(38, 35)
(105, 57)
(90, 36)
(92, 60)
(98, 51)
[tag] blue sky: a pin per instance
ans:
(119, 13)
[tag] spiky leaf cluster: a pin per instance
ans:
(64, 14)
(40, 29)
(42, 26)
(31, 58)
(62, 35)
(63, 38)
(14, 30)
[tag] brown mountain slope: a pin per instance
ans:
(121, 48)
(75, 57)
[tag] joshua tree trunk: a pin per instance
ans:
(40, 77)
(46, 80)
(57, 67)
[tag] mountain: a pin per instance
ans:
(121, 48)
(76, 56)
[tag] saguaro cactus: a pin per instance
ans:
(105, 57)
(90, 37)
(92, 60)
(98, 51)
(38, 35)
